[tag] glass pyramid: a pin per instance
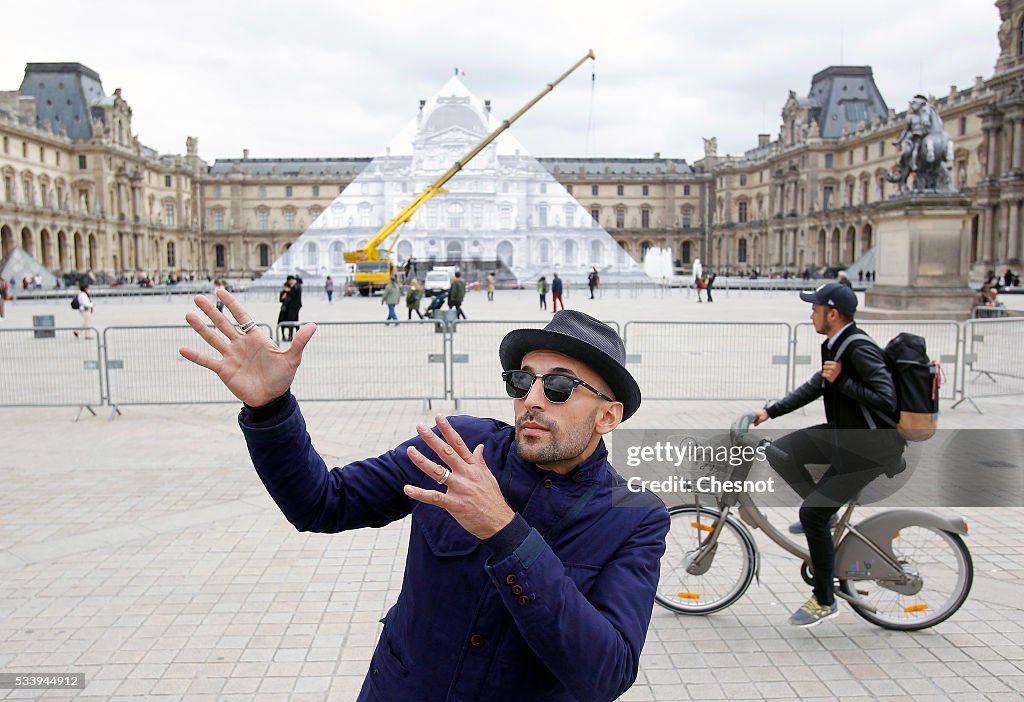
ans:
(503, 211)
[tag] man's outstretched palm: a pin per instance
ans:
(251, 366)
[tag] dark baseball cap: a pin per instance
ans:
(834, 295)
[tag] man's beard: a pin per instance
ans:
(560, 445)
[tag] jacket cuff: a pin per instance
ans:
(511, 537)
(773, 410)
(270, 421)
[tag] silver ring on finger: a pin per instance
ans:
(444, 478)
(247, 327)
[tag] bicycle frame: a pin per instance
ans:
(752, 515)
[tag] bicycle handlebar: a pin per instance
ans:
(741, 426)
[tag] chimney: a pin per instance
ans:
(763, 140)
(657, 154)
(487, 106)
(245, 154)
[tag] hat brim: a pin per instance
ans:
(520, 342)
(810, 296)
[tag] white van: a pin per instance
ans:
(437, 281)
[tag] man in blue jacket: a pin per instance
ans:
(531, 569)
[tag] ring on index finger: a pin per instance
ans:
(444, 478)
(247, 327)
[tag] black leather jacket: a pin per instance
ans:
(862, 395)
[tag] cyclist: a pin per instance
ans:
(856, 441)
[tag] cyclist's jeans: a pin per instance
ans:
(847, 475)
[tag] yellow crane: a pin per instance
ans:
(374, 266)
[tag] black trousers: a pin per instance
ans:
(854, 458)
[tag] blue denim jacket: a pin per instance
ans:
(554, 607)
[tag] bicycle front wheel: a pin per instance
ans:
(727, 571)
(940, 573)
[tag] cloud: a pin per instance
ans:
(319, 78)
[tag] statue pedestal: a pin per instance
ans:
(921, 260)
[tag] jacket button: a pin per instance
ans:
(517, 590)
(476, 640)
(547, 484)
(510, 579)
(578, 477)
(524, 600)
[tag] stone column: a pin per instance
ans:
(987, 234)
(993, 154)
(1012, 229)
(1015, 148)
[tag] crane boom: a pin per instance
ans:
(369, 252)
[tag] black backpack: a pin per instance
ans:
(74, 303)
(917, 379)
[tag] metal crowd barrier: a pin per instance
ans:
(941, 338)
(374, 361)
(46, 366)
(709, 360)
(458, 360)
(143, 367)
(993, 360)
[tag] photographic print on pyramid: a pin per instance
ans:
(502, 212)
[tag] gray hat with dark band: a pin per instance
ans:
(584, 338)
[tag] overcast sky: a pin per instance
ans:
(316, 78)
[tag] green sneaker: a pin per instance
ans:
(812, 613)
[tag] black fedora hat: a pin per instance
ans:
(584, 338)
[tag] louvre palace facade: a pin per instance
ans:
(81, 193)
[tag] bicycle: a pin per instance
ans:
(904, 569)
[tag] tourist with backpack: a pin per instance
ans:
(858, 441)
(84, 304)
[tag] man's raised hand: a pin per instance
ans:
(473, 497)
(251, 366)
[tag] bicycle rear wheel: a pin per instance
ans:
(942, 573)
(732, 565)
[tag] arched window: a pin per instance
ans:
(568, 252)
(505, 253)
(312, 255)
(741, 251)
(220, 255)
(545, 252)
(686, 252)
(171, 263)
(264, 253)
(596, 252)
(337, 254)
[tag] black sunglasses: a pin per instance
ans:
(557, 387)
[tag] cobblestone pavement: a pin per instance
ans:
(145, 553)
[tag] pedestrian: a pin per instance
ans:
(86, 307)
(593, 279)
(218, 284)
(698, 278)
(531, 567)
(556, 293)
(542, 290)
(414, 297)
(391, 297)
(858, 440)
(291, 302)
(709, 282)
(4, 295)
(329, 289)
(457, 294)
(860, 276)
(492, 283)
(844, 279)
